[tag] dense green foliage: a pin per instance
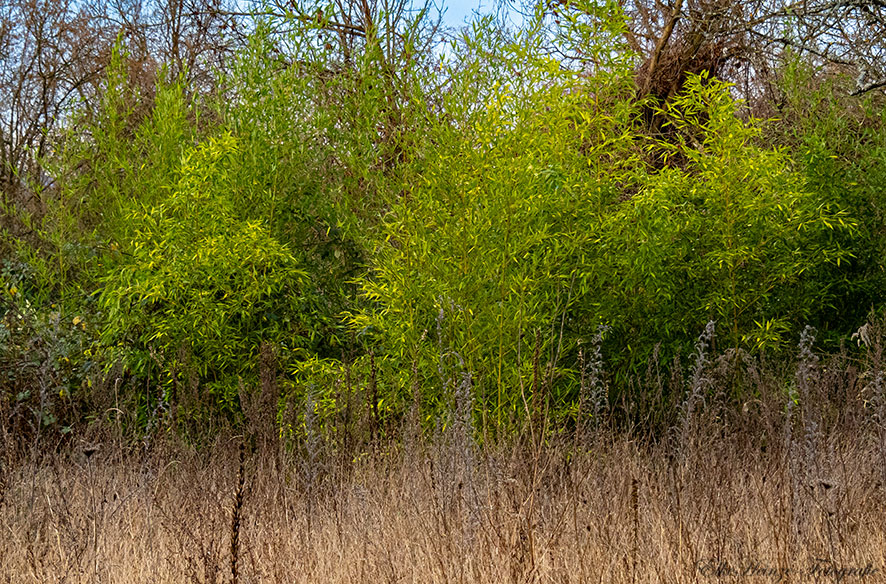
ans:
(431, 232)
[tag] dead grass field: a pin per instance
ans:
(749, 474)
(719, 510)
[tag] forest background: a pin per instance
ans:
(348, 221)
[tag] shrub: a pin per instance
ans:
(550, 223)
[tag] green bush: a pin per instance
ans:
(550, 224)
(196, 276)
(484, 254)
(47, 362)
(725, 231)
(212, 240)
(838, 142)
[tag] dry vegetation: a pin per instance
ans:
(613, 514)
(771, 492)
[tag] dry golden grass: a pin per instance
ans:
(746, 475)
(720, 511)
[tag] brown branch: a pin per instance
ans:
(327, 24)
(660, 46)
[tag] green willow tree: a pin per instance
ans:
(838, 142)
(484, 255)
(726, 230)
(550, 213)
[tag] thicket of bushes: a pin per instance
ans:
(417, 231)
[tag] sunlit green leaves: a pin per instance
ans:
(725, 231)
(195, 275)
(483, 253)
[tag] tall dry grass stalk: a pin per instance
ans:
(237, 514)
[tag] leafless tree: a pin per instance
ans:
(744, 41)
(53, 55)
(50, 60)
